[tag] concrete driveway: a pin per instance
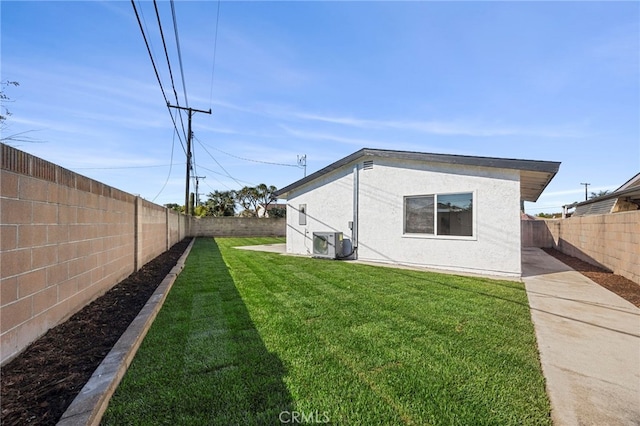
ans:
(589, 342)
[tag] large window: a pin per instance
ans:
(439, 214)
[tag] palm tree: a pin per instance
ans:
(599, 194)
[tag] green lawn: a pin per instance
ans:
(247, 337)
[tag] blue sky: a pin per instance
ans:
(553, 81)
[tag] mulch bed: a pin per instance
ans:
(38, 385)
(621, 286)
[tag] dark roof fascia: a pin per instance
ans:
(467, 160)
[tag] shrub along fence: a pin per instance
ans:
(66, 239)
(611, 240)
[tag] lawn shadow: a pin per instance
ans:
(226, 348)
(518, 286)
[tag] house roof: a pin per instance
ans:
(534, 175)
(629, 191)
(634, 182)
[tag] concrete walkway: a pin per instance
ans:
(589, 342)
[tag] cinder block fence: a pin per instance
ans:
(611, 240)
(66, 239)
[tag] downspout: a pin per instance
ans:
(353, 255)
(354, 228)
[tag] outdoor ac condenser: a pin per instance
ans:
(327, 245)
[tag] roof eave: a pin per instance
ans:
(549, 167)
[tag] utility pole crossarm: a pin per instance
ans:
(586, 185)
(190, 111)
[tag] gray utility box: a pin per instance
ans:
(327, 245)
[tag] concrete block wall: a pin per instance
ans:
(152, 231)
(536, 233)
(237, 227)
(611, 241)
(65, 240)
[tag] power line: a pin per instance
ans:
(215, 45)
(175, 27)
(173, 140)
(251, 160)
(227, 175)
(155, 69)
(166, 54)
(217, 162)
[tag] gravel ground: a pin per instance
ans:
(620, 285)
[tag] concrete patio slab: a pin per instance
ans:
(589, 343)
(271, 248)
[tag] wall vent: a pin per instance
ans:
(367, 165)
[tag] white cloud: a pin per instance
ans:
(477, 128)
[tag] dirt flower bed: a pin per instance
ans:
(621, 286)
(39, 384)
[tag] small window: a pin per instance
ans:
(418, 215)
(302, 214)
(455, 214)
(439, 214)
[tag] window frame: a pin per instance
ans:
(435, 235)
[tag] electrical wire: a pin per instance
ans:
(226, 175)
(166, 54)
(175, 27)
(173, 141)
(155, 69)
(217, 162)
(215, 46)
(254, 161)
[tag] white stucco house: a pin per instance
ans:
(450, 212)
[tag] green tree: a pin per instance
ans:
(201, 211)
(174, 206)
(253, 198)
(265, 196)
(278, 212)
(247, 197)
(599, 194)
(221, 203)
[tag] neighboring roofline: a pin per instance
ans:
(620, 192)
(615, 194)
(502, 163)
(629, 182)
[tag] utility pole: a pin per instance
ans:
(197, 183)
(302, 162)
(585, 190)
(186, 192)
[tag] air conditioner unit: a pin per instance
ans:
(327, 245)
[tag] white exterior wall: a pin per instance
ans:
(493, 249)
(329, 202)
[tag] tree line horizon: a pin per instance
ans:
(250, 201)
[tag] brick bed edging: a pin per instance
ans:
(90, 404)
